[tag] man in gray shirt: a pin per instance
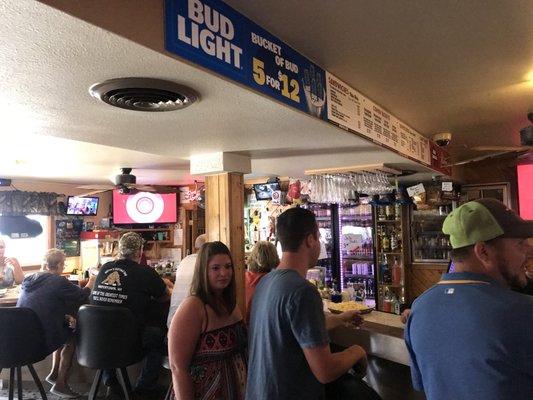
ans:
(289, 350)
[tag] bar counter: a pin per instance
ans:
(381, 335)
(11, 297)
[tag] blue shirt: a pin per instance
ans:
(286, 316)
(471, 341)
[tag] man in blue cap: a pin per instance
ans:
(470, 336)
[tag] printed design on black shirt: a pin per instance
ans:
(113, 279)
(110, 290)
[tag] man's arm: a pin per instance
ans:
(327, 366)
(17, 270)
(349, 317)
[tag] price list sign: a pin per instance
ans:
(214, 35)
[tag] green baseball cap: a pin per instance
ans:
(482, 220)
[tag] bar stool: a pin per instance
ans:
(108, 338)
(165, 363)
(22, 342)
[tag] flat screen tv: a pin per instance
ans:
(144, 208)
(82, 205)
(263, 191)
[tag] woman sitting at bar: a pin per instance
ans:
(55, 301)
(10, 270)
(207, 336)
(263, 259)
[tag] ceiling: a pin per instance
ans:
(457, 66)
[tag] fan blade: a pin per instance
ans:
(480, 158)
(501, 148)
(93, 192)
(96, 187)
(143, 188)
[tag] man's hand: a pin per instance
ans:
(405, 315)
(352, 317)
(360, 366)
(71, 321)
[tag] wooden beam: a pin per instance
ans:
(224, 195)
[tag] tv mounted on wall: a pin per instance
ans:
(82, 205)
(144, 208)
(263, 191)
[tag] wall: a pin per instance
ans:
(492, 170)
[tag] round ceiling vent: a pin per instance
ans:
(143, 94)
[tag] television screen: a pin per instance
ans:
(144, 208)
(263, 191)
(82, 205)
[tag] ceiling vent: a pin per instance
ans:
(143, 94)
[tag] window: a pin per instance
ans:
(30, 251)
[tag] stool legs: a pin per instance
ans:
(96, 383)
(11, 382)
(19, 383)
(37, 381)
(122, 380)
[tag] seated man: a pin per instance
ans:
(469, 336)
(54, 299)
(126, 283)
(10, 270)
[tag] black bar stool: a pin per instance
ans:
(108, 338)
(22, 343)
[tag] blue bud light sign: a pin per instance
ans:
(215, 36)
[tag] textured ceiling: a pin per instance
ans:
(439, 66)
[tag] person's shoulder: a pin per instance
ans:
(191, 304)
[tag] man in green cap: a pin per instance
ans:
(470, 336)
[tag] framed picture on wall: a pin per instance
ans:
(499, 191)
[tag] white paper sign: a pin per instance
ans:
(447, 186)
(344, 103)
(416, 189)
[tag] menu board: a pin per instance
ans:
(344, 104)
(349, 109)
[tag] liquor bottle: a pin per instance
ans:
(396, 272)
(389, 212)
(381, 213)
(397, 210)
(393, 241)
(384, 267)
(385, 242)
(395, 305)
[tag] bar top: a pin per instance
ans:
(11, 297)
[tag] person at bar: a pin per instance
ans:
(207, 337)
(289, 356)
(184, 274)
(55, 300)
(263, 259)
(10, 270)
(126, 283)
(470, 337)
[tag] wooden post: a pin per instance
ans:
(224, 195)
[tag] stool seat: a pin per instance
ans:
(22, 343)
(108, 339)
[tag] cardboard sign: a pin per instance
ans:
(416, 189)
(447, 186)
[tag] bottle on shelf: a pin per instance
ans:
(381, 213)
(396, 272)
(397, 210)
(395, 305)
(389, 212)
(384, 269)
(385, 242)
(393, 241)
(387, 303)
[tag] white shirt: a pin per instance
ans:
(182, 284)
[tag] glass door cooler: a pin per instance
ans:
(356, 251)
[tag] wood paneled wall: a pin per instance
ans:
(421, 277)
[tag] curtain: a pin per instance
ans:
(18, 203)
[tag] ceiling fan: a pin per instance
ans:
(126, 183)
(526, 140)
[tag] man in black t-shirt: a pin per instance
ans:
(124, 282)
